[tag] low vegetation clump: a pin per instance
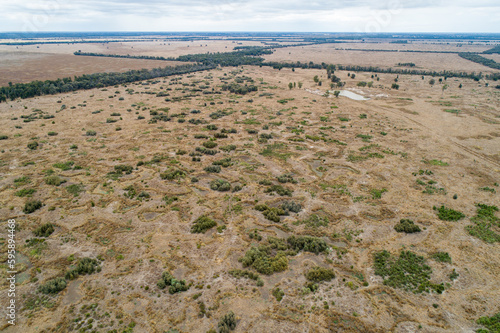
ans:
(84, 266)
(25, 192)
(377, 194)
(264, 260)
(407, 226)
(91, 133)
(31, 206)
(307, 243)
(220, 185)
(33, 145)
(319, 274)
(286, 178)
(202, 224)
(228, 148)
(492, 324)
(213, 168)
(54, 180)
(74, 189)
(408, 272)
(172, 174)
(120, 170)
(64, 166)
(291, 206)
(225, 162)
(209, 144)
(270, 213)
(278, 294)
(239, 273)
(448, 214)
(174, 285)
(314, 221)
(53, 286)
(45, 230)
(441, 257)
(280, 190)
(206, 151)
(485, 224)
(227, 323)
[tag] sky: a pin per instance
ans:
(251, 15)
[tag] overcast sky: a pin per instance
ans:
(251, 15)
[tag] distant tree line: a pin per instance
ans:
(496, 49)
(98, 80)
(480, 60)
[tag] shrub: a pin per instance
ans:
(226, 162)
(206, 151)
(278, 294)
(213, 168)
(377, 194)
(220, 135)
(64, 166)
(202, 224)
(491, 323)
(441, 257)
(175, 286)
(484, 221)
(280, 190)
(220, 185)
(53, 286)
(307, 243)
(33, 145)
(200, 136)
(228, 148)
(406, 226)
(25, 192)
(408, 272)
(291, 206)
(318, 274)
(261, 259)
(44, 230)
(314, 221)
(54, 180)
(270, 213)
(3, 137)
(173, 174)
(31, 206)
(227, 323)
(84, 266)
(209, 144)
(286, 178)
(448, 214)
(91, 133)
(212, 127)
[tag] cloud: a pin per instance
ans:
(233, 15)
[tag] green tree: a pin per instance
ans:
(316, 79)
(432, 82)
(290, 86)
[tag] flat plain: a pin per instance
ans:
(244, 196)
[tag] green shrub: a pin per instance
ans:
(220, 185)
(228, 148)
(270, 213)
(64, 166)
(84, 266)
(286, 178)
(44, 230)
(227, 323)
(31, 206)
(280, 190)
(52, 133)
(53, 286)
(213, 168)
(278, 294)
(408, 272)
(54, 180)
(25, 192)
(406, 226)
(173, 174)
(21, 181)
(209, 144)
(441, 257)
(261, 259)
(91, 133)
(239, 273)
(225, 162)
(307, 243)
(318, 274)
(33, 145)
(448, 214)
(377, 194)
(314, 221)
(74, 189)
(491, 323)
(202, 224)
(175, 286)
(485, 222)
(3, 137)
(291, 206)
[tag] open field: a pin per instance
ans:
(22, 67)
(138, 165)
(328, 53)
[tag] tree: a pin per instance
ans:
(316, 79)
(300, 85)
(460, 86)
(432, 82)
(336, 93)
(290, 86)
(353, 76)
